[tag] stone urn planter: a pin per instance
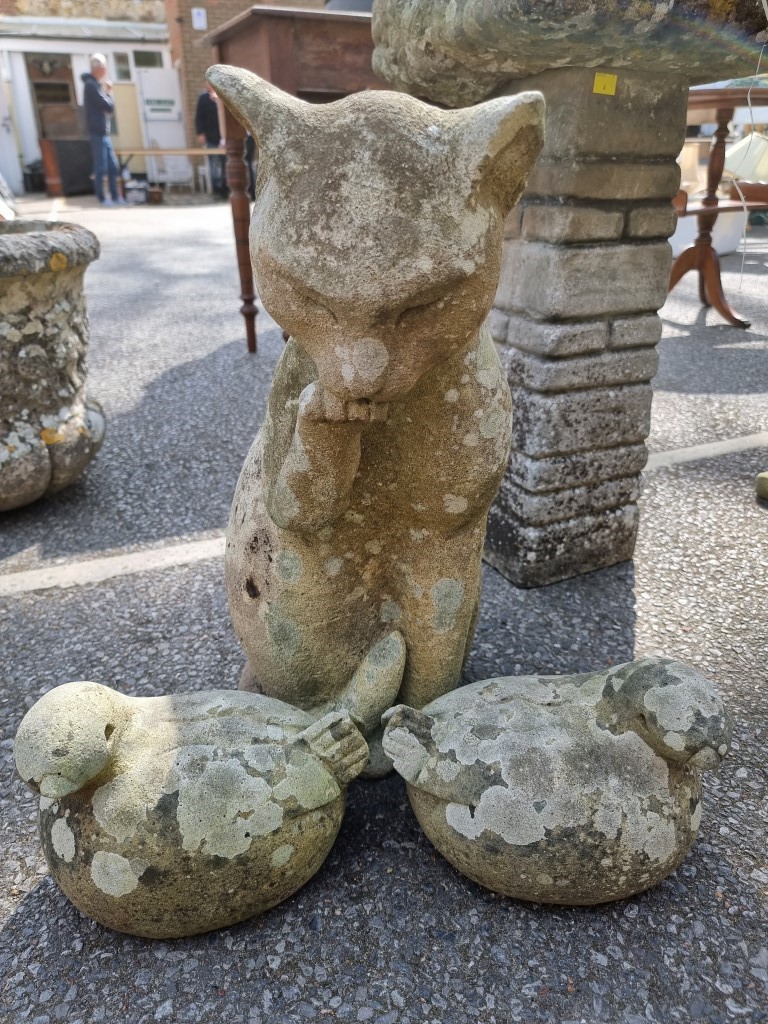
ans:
(49, 432)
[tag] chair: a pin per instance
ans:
(171, 170)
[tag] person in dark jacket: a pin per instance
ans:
(209, 135)
(99, 104)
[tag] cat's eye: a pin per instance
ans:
(305, 299)
(415, 312)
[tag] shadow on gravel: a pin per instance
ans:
(168, 467)
(712, 359)
(578, 625)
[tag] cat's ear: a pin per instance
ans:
(498, 142)
(259, 106)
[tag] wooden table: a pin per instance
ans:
(708, 106)
(130, 153)
(315, 55)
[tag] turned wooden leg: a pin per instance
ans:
(237, 180)
(703, 289)
(702, 257)
(687, 260)
(710, 273)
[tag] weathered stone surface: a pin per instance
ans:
(534, 556)
(462, 52)
(548, 282)
(605, 180)
(49, 430)
(544, 425)
(38, 246)
(376, 241)
(169, 816)
(652, 221)
(571, 789)
(561, 224)
(634, 331)
(578, 284)
(585, 124)
(566, 503)
(514, 223)
(497, 324)
(555, 339)
(550, 474)
(607, 368)
(113, 10)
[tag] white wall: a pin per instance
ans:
(23, 108)
(10, 165)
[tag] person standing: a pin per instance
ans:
(99, 104)
(209, 135)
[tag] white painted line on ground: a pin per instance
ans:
(661, 460)
(97, 570)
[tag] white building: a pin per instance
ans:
(41, 93)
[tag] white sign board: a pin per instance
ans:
(199, 19)
(162, 122)
(160, 108)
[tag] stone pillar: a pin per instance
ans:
(586, 266)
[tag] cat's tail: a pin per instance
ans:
(374, 687)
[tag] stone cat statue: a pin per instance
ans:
(361, 510)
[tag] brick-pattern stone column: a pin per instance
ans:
(586, 265)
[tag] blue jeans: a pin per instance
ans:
(216, 165)
(104, 162)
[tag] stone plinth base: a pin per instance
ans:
(586, 265)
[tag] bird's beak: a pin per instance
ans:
(54, 786)
(706, 758)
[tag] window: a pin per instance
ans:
(147, 58)
(52, 92)
(122, 67)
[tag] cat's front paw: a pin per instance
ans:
(323, 406)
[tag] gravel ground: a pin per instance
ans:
(713, 378)
(387, 931)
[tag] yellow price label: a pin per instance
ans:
(58, 261)
(605, 84)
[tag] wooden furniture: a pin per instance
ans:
(711, 106)
(315, 55)
(68, 166)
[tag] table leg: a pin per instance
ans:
(237, 180)
(701, 256)
(712, 285)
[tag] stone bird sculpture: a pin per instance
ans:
(361, 509)
(572, 789)
(169, 816)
